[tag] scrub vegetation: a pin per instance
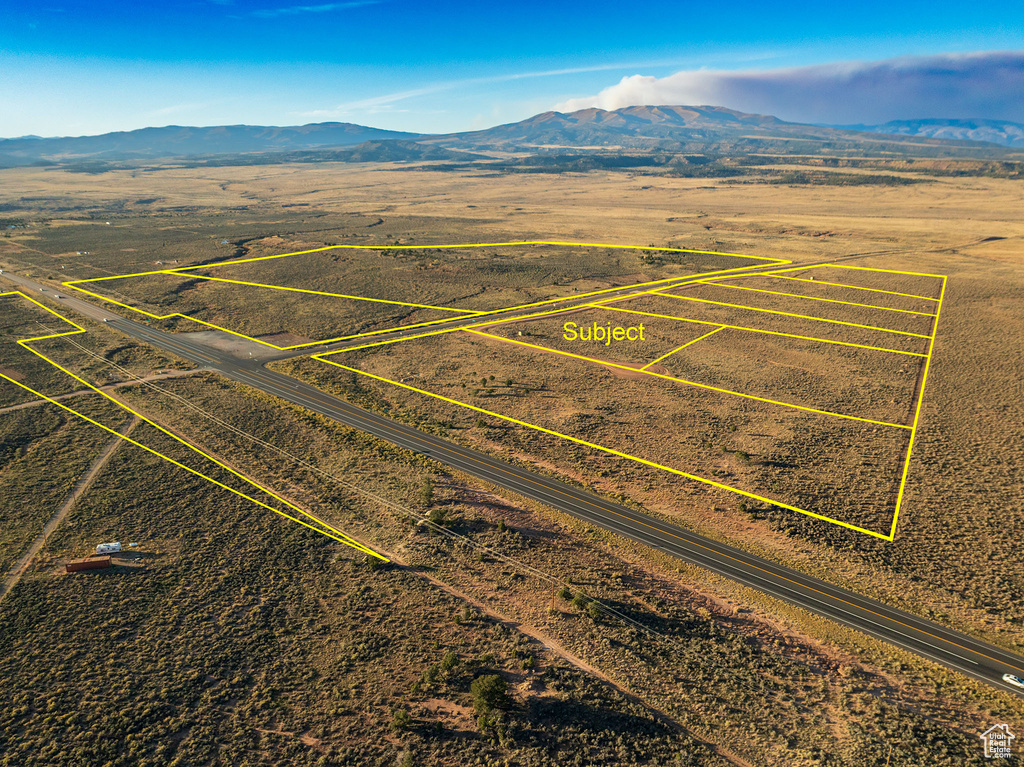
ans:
(504, 633)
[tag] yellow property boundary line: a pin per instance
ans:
(677, 282)
(809, 298)
(784, 314)
(330, 532)
(696, 279)
(662, 284)
(602, 448)
(754, 330)
(682, 380)
(917, 410)
(185, 271)
(777, 274)
(680, 348)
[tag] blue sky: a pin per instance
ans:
(73, 68)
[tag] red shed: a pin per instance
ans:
(89, 563)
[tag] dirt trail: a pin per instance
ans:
(108, 387)
(553, 647)
(80, 487)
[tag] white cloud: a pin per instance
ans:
(988, 85)
(295, 10)
(177, 109)
(385, 102)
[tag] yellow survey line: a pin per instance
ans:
(381, 331)
(665, 284)
(523, 317)
(520, 318)
(809, 298)
(669, 354)
(917, 414)
(887, 271)
(687, 476)
(755, 330)
(678, 280)
(109, 300)
(689, 383)
(185, 272)
(786, 314)
(837, 285)
(485, 323)
(718, 326)
(477, 245)
(608, 450)
(331, 295)
(334, 533)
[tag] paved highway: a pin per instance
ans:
(951, 648)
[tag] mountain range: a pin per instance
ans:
(179, 141)
(669, 128)
(992, 131)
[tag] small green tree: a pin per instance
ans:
(401, 721)
(430, 673)
(427, 492)
(449, 661)
(565, 593)
(489, 692)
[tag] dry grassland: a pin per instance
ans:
(840, 379)
(435, 283)
(673, 306)
(262, 645)
(836, 467)
(956, 553)
(760, 304)
(43, 452)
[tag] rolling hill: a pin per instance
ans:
(993, 131)
(697, 129)
(178, 141)
(693, 129)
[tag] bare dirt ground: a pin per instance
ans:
(109, 387)
(77, 492)
(955, 557)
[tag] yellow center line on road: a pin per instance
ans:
(634, 521)
(325, 529)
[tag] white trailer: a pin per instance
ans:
(108, 548)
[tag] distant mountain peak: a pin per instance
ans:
(659, 127)
(1000, 132)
